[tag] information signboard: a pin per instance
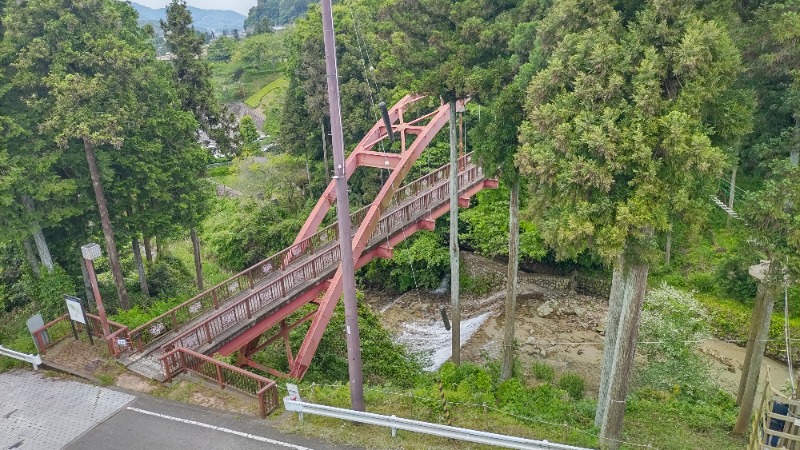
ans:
(75, 309)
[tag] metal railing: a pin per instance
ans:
(416, 426)
(35, 360)
(59, 329)
(184, 360)
(319, 265)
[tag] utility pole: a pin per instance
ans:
(343, 214)
(756, 344)
(455, 301)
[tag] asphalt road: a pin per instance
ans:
(38, 412)
(148, 423)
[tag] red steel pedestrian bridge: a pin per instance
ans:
(254, 308)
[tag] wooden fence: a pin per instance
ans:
(776, 422)
(225, 375)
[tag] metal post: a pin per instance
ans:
(343, 214)
(101, 310)
(88, 325)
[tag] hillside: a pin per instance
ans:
(204, 19)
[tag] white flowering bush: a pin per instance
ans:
(673, 324)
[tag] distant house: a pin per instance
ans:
(169, 56)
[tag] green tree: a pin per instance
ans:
(263, 26)
(221, 49)
(249, 133)
(277, 12)
(32, 193)
(773, 56)
(193, 81)
(617, 141)
(450, 50)
(83, 84)
(257, 51)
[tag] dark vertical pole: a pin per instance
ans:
(72, 324)
(343, 214)
(88, 325)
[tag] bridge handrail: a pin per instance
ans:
(53, 332)
(264, 389)
(246, 279)
(245, 308)
(198, 305)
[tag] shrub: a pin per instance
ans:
(735, 280)
(382, 359)
(573, 384)
(418, 263)
(48, 291)
(168, 277)
(541, 371)
(703, 282)
(673, 321)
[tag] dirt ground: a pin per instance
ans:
(563, 329)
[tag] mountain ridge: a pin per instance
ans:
(215, 20)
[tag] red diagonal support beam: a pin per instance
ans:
(373, 137)
(383, 199)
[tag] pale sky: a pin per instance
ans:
(240, 6)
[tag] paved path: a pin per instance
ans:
(41, 413)
(47, 413)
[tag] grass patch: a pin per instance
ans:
(477, 399)
(213, 273)
(205, 394)
(268, 94)
(235, 84)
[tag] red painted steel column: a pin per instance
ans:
(343, 213)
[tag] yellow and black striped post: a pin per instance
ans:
(444, 404)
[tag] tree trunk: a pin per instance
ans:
(105, 221)
(755, 323)
(615, 300)
(159, 247)
(511, 282)
(794, 156)
(668, 246)
(455, 301)
(753, 369)
(38, 236)
(87, 282)
(198, 263)
(732, 193)
(137, 258)
(324, 151)
(31, 257)
(308, 175)
(148, 250)
(625, 349)
(42, 249)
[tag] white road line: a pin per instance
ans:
(224, 430)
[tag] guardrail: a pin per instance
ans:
(36, 360)
(398, 423)
(185, 360)
(259, 301)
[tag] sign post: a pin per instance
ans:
(34, 323)
(77, 314)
